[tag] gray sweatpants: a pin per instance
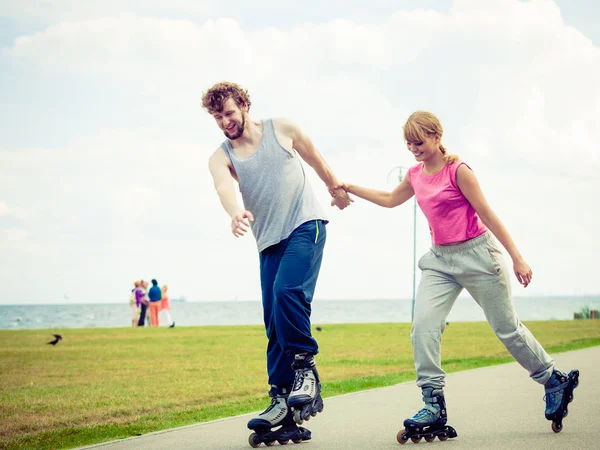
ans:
(477, 266)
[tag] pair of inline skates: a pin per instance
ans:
(430, 421)
(289, 407)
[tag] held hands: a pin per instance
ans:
(340, 197)
(523, 272)
(240, 222)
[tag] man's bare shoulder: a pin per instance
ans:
(285, 126)
(218, 158)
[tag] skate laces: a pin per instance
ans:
(422, 413)
(270, 407)
(299, 381)
(278, 414)
(427, 414)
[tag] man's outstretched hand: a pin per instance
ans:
(240, 222)
(340, 197)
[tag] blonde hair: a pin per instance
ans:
(164, 288)
(422, 124)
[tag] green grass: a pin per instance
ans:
(103, 384)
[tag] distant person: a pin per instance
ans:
(263, 157)
(464, 255)
(165, 306)
(134, 304)
(142, 294)
(155, 297)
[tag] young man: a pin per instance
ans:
(289, 226)
(155, 297)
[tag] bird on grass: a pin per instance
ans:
(319, 328)
(57, 337)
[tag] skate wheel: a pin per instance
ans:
(253, 440)
(443, 438)
(313, 413)
(284, 442)
(557, 427)
(429, 438)
(402, 437)
(415, 439)
(270, 443)
(298, 417)
(570, 398)
(296, 441)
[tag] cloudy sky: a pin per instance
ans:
(104, 145)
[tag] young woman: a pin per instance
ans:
(134, 304)
(142, 296)
(165, 306)
(464, 255)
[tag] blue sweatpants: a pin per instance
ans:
(288, 276)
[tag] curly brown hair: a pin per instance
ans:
(214, 99)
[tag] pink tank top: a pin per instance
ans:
(450, 215)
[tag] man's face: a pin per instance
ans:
(232, 119)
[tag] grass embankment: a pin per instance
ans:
(103, 384)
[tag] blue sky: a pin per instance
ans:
(103, 144)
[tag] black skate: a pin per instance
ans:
(276, 415)
(559, 393)
(305, 398)
(429, 422)
(283, 435)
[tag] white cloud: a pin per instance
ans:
(69, 10)
(7, 211)
(14, 235)
(260, 11)
(512, 84)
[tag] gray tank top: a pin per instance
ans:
(274, 189)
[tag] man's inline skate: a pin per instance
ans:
(276, 415)
(559, 393)
(430, 421)
(305, 398)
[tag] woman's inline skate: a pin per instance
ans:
(305, 398)
(559, 393)
(430, 421)
(276, 415)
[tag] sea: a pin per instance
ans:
(204, 313)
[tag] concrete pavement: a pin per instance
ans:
(493, 408)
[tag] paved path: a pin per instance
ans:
(493, 408)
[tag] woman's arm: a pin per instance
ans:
(469, 186)
(399, 195)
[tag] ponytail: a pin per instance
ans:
(449, 157)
